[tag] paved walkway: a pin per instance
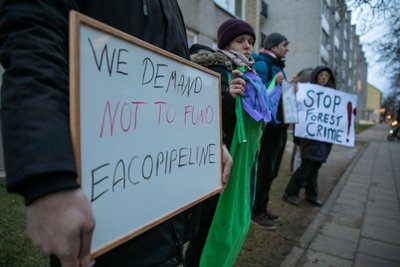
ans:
(359, 225)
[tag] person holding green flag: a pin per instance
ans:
(225, 218)
(270, 66)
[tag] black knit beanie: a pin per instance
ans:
(273, 40)
(231, 29)
(195, 48)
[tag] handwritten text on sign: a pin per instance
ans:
(325, 114)
(150, 134)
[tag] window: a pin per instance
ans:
(336, 42)
(324, 38)
(262, 38)
(235, 7)
(325, 9)
(264, 9)
(324, 62)
(191, 37)
(351, 43)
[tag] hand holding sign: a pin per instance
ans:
(69, 234)
(279, 77)
(236, 84)
(289, 102)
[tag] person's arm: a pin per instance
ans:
(229, 102)
(227, 163)
(37, 144)
(62, 224)
(262, 70)
(228, 107)
(35, 98)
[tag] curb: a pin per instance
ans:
(298, 251)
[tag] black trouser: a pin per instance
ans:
(196, 244)
(307, 172)
(273, 142)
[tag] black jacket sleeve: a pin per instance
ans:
(34, 97)
(228, 107)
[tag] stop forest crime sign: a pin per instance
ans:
(325, 114)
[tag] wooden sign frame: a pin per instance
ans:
(193, 182)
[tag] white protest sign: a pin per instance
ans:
(289, 105)
(325, 114)
(146, 127)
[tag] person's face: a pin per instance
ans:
(243, 44)
(281, 49)
(323, 77)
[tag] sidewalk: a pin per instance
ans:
(359, 225)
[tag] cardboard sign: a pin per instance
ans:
(146, 128)
(325, 114)
(289, 104)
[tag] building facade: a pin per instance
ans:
(373, 105)
(319, 32)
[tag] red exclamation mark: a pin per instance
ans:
(349, 112)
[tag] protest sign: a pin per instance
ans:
(289, 104)
(146, 129)
(325, 114)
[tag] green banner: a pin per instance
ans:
(232, 217)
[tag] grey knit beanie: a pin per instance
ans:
(273, 40)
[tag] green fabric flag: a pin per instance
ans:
(232, 217)
(272, 84)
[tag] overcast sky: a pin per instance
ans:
(376, 71)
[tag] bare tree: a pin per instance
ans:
(371, 13)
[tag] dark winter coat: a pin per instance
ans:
(220, 63)
(38, 151)
(267, 67)
(311, 149)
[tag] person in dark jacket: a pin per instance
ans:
(303, 76)
(235, 43)
(269, 62)
(39, 156)
(313, 153)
